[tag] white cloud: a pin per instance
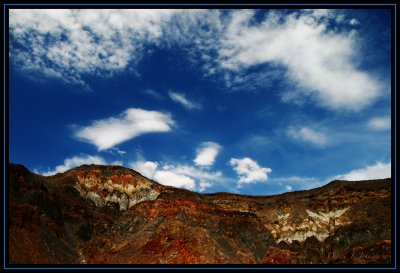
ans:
(176, 180)
(318, 61)
(186, 174)
(380, 123)
(207, 153)
(248, 170)
(289, 188)
(146, 168)
(354, 22)
(378, 171)
(67, 44)
(182, 176)
(153, 94)
(194, 172)
(76, 161)
(308, 135)
(181, 99)
(133, 122)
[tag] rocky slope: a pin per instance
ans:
(112, 215)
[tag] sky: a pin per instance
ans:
(245, 101)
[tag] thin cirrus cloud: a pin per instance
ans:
(297, 182)
(248, 170)
(106, 133)
(380, 123)
(308, 135)
(206, 153)
(182, 100)
(378, 171)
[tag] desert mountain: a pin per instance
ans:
(96, 214)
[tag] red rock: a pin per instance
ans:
(51, 221)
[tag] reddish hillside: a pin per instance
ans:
(113, 215)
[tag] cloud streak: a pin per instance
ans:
(296, 183)
(380, 123)
(153, 94)
(133, 122)
(308, 135)
(181, 99)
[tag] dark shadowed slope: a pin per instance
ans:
(96, 214)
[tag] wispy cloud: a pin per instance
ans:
(106, 133)
(297, 182)
(182, 100)
(318, 61)
(74, 162)
(153, 94)
(248, 170)
(308, 135)
(380, 123)
(265, 142)
(69, 43)
(378, 171)
(117, 151)
(207, 153)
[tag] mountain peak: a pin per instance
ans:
(110, 183)
(105, 169)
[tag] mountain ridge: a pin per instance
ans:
(104, 214)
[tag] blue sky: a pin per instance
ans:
(244, 101)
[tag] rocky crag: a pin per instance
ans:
(96, 214)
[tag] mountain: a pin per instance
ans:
(96, 214)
